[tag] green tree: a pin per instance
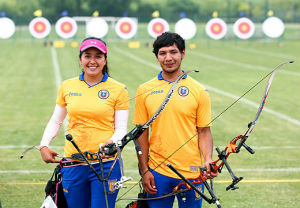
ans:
(175, 7)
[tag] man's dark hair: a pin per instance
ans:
(168, 39)
(105, 68)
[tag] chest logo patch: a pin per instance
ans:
(75, 94)
(103, 94)
(156, 92)
(183, 91)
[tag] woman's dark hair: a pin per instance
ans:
(105, 68)
(168, 39)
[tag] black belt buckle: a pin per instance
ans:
(88, 155)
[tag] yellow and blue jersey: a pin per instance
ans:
(91, 110)
(188, 108)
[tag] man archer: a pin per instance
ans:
(188, 113)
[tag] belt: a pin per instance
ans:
(77, 159)
(89, 155)
(67, 163)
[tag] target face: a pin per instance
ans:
(7, 28)
(126, 28)
(39, 27)
(157, 26)
(96, 27)
(243, 28)
(66, 27)
(216, 28)
(273, 27)
(186, 28)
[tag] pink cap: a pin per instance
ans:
(93, 43)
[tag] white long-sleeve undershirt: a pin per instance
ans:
(121, 119)
(53, 125)
(59, 114)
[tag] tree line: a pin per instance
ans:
(21, 11)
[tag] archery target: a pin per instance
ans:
(273, 27)
(96, 27)
(186, 28)
(157, 26)
(216, 28)
(126, 28)
(39, 27)
(243, 28)
(66, 27)
(7, 27)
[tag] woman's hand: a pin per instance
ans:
(48, 155)
(101, 148)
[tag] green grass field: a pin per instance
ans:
(227, 68)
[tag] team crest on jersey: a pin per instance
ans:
(198, 197)
(183, 91)
(111, 186)
(103, 94)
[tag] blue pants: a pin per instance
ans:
(165, 184)
(83, 189)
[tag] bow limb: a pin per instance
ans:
(28, 149)
(261, 106)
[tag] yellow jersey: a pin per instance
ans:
(91, 111)
(188, 108)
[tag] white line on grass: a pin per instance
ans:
(268, 170)
(253, 104)
(279, 55)
(25, 171)
(57, 76)
(56, 67)
(274, 147)
(240, 64)
(25, 146)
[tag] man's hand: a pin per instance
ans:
(209, 174)
(149, 182)
(48, 155)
